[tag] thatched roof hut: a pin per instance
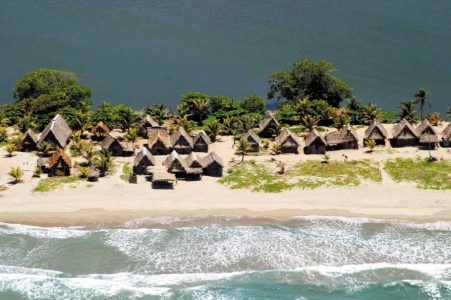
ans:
(160, 176)
(376, 132)
(56, 133)
(30, 141)
(446, 136)
(267, 125)
(288, 141)
(212, 165)
(345, 139)
(201, 142)
(404, 134)
(150, 122)
(143, 160)
(176, 165)
(100, 130)
(252, 139)
(315, 143)
(118, 148)
(159, 141)
(60, 163)
(181, 141)
(427, 134)
(193, 160)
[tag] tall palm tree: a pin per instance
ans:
(246, 123)
(354, 107)
(371, 113)
(243, 148)
(213, 129)
(201, 107)
(421, 96)
(407, 111)
(16, 173)
(302, 107)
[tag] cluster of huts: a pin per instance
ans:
(58, 132)
(404, 134)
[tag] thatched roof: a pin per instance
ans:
(144, 153)
(427, 133)
(399, 128)
(446, 134)
(59, 153)
(334, 138)
(127, 146)
(202, 136)
(376, 125)
(287, 136)
(100, 127)
(109, 140)
(349, 134)
(149, 122)
(269, 119)
(60, 130)
(180, 134)
(30, 134)
(250, 134)
(156, 135)
(211, 158)
(175, 157)
(313, 136)
(193, 160)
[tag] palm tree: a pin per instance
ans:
(77, 146)
(276, 149)
(243, 148)
(302, 107)
(185, 124)
(84, 172)
(201, 107)
(132, 135)
(104, 165)
(16, 173)
(4, 121)
(434, 118)
(38, 171)
(229, 125)
(81, 121)
(341, 118)
(308, 123)
(213, 129)
(105, 153)
(421, 96)
(10, 148)
(17, 142)
(371, 144)
(27, 122)
(45, 149)
(408, 111)
(246, 123)
(371, 113)
(3, 134)
(128, 118)
(326, 158)
(90, 155)
(354, 108)
(158, 112)
(276, 129)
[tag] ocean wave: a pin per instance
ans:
(43, 232)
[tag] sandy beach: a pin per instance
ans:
(114, 200)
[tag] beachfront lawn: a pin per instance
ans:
(263, 176)
(53, 183)
(426, 175)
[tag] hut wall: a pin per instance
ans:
(350, 145)
(200, 147)
(28, 145)
(140, 169)
(267, 132)
(116, 150)
(60, 169)
(289, 149)
(159, 149)
(445, 143)
(51, 139)
(213, 169)
(182, 147)
(315, 148)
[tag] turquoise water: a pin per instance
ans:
(154, 51)
(225, 257)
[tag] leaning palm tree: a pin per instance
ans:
(246, 123)
(201, 107)
(308, 123)
(408, 111)
(243, 148)
(16, 174)
(213, 129)
(421, 96)
(10, 148)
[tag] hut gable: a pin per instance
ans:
(268, 122)
(30, 141)
(314, 137)
(404, 130)
(60, 163)
(108, 141)
(349, 134)
(427, 133)
(175, 164)
(117, 148)
(143, 160)
(287, 138)
(56, 133)
(181, 141)
(150, 122)
(212, 158)
(100, 130)
(446, 134)
(202, 138)
(251, 137)
(159, 141)
(376, 132)
(194, 161)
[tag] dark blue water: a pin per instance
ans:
(226, 257)
(154, 51)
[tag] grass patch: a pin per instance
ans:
(53, 183)
(306, 175)
(426, 175)
(4, 143)
(126, 171)
(89, 185)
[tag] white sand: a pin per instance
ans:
(112, 199)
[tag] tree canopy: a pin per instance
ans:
(309, 79)
(254, 104)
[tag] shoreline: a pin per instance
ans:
(91, 217)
